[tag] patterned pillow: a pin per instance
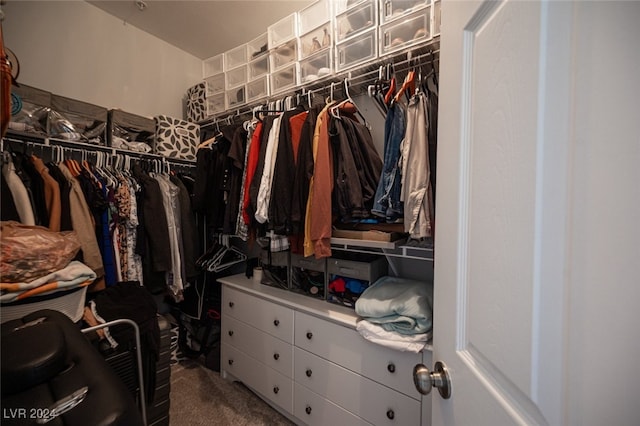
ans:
(176, 138)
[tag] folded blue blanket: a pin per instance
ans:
(398, 304)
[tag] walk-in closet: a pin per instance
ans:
(319, 212)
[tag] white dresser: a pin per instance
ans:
(304, 357)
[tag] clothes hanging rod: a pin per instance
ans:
(401, 62)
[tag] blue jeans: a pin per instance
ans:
(387, 202)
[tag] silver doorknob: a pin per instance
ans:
(438, 378)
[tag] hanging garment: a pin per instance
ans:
(189, 231)
(242, 227)
(65, 191)
(35, 187)
(416, 179)
(19, 193)
(317, 236)
(51, 190)
(387, 198)
(8, 210)
(264, 190)
(236, 166)
(253, 155)
(254, 186)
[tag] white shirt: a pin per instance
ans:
(264, 192)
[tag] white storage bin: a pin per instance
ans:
(408, 31)
(215, 104)
(235, 57)
(285, 78)
(317, 66)
(258, 89)
(341, 6)
(282, 31)
(357, 19)
(357, 50)
(215, 84)
(313, 16)
(315, 40)
(257, 47)
(236, 96)
(394, 9)
(213, 65)
(258, 67)
(437, 18)
(284, 55)
(236, 77)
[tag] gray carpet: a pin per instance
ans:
(199, 396)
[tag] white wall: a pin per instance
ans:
(74, 49)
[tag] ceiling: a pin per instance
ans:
(203, 28)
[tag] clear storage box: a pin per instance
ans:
(315, 40)
(236, 96)
(357, 50)
(350, 274)
(258, 88)
(317, 66)
(79, 121)
(408, 31)
(130, 131)
(313, 16)
(236, 77)
(308, 275)
(215, 104)
(437, 18)
(356, 20)
(284, 55)
(285, 78)
(282, 31)
(213, 65)
(235, 57)
(215, 83)
(30, 109)
(258, 67)
(257, 47)
(394, 9)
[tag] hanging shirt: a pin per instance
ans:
(19, 194)
(264, 191)
(51, 193)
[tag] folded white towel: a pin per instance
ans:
(401, 342)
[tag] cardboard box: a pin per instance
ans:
(371, 235)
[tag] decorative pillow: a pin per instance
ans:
(176, 138)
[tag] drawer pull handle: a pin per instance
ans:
(230, 362)
(390, 414)
(309, 372)
(230, 333)
(276, 322)
(391, 368)
(231, 304)
(276, 356)
(308, 409)
(309, 335)
(276, 389)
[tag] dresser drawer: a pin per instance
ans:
(267, 349)
(264, 380)
(368, 269)
(315, 410)
(272, 318)
(361, 396)
(346, 347)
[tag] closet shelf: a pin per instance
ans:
(399, 248)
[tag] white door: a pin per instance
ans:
(536, 264)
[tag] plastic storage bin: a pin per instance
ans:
(284, 55)
(285, 78)
(235, 57)
(257, 47)
(315, 41)
(394, 9)
(356, 20)
(258, 88)
(259, 67)
(215, 83)
(213, 65)
(437, 18)
(350, 274)
(282, 31)
(74, 120)
(313, 16)
(236, 77)
(308, 275)
(215, 104)
(236, 96)
(356, 51)
(408, 31)
(275, 268)
(30, 109)
(317, 66)
(130, 131)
